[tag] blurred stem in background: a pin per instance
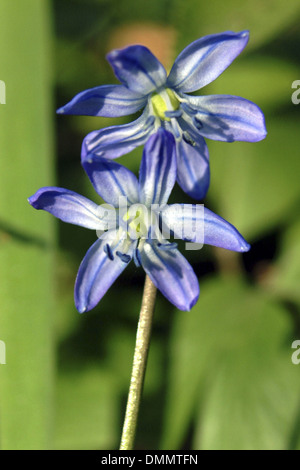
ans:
(139, 365)
(26, 237)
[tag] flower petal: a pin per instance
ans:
(99, 269)
(112, 181)
(138, 69)
(115, 141)
(184, 221)
(219, 232)
(172, 275)
(106, 101)
(228, 118)
(196, 223)
(158, 168)
(193, 173)
(70, 207)
(205, 59)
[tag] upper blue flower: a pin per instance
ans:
(145, 84)
(136, 232)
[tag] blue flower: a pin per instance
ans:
(135, 231)
(145, 84)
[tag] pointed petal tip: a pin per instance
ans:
(189, 305)
(82, 309)
(86, 160)
(262, 128)
(84, 151)
(33, 201)
(198, 192)
(193, 303)
(260, 138)
(244, 33)
(112, 54)
(245, 247)
(260, 135)
(264, 132)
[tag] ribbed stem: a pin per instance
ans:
(139, 365)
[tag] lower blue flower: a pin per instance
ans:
(137, 230)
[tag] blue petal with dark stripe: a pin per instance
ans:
(115, 141)
(172, 275)
(204, 60)
(112, 181)
(196, 223)
(219, 232)
(138, 69)
(227, 118)
(73, 208)
(183, 222)
(106, 100)
(98, 271)
(193, 173)
(158, 168)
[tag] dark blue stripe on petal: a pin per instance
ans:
(158, 168)
(228, 118)
(138, 69)
(112, 180)
(205, 59)
(107, 101)
(68, 206)
(172, 275)
(98, 272)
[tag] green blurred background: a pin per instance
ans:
(218, 377)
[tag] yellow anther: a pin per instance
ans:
(164, 101)
(159, 106)
(174, 101)
(138, 224)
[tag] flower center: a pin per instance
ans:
(164, 103)
(139, 220)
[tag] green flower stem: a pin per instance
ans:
(139, 365)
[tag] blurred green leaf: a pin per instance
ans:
(95, 362)
(134, 11)
(26, 237)
(264, 18)
(87, 411)
(79, 18)
(66, 316)
(282, 279)
(231, 361)
(255, 186)
(78, 67)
